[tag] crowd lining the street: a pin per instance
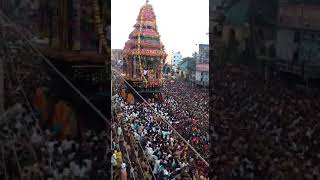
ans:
(262, 129)
(27, 150)
(169, 157)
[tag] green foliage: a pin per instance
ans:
(191, 63)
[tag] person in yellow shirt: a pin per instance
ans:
(118, 158)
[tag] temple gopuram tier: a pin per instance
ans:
(144, 56)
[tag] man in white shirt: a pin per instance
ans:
(156, 166)
(149, 152)
(119, 131)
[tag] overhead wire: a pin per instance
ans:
(125, 140)
(162, 118)
(27, 102)
(17, 29)
(22, 122)
(47, 61)
(134, 149)
(130, 164)
(134, 152)
(147, 160)
(143, 152)
(127, 154)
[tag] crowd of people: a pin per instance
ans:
(27, 150)
(168, 156)
(31, 153)
(190, 106)
(262, 129)
(128, 159)
(38, 153)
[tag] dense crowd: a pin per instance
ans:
(263, 130)
(31, 153)
(38, 153)
(190, 107)
(125, 160)
(168, 156)
(27, 150)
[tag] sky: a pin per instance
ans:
(182, 24)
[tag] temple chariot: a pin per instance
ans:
(143, 58)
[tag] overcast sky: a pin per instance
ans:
(181, 23)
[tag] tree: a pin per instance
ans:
(195, 55)
(191, 62)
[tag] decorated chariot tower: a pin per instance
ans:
(144, 57)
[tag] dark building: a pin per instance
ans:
(298, 37)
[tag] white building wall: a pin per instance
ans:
(176, 59)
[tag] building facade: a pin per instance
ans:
(203, 57)
(202, 74)
(298, 35)
(176, 59)
(249, 23)
(183, 70)
(202, 67)
(297, 44)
